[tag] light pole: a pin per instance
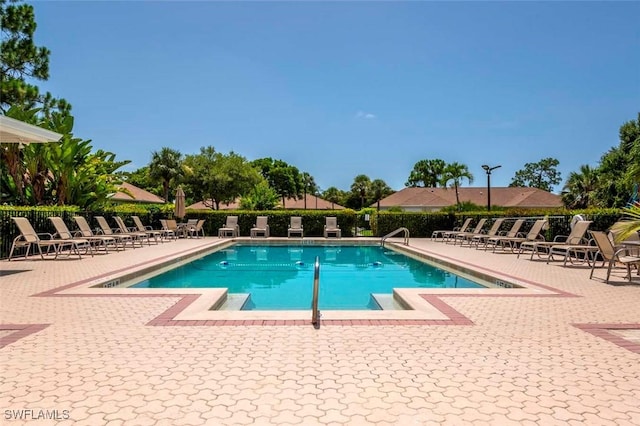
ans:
(489, 170)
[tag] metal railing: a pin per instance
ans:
(315, 313)
(405, 241)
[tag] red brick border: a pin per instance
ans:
(21, 330)
(603, 331)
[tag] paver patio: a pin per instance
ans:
(568, 355)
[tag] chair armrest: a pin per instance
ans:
(45, 234)
(560, 238)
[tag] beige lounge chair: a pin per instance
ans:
(196, 230)
(611, 255)
(168, 232)
(261, 228)
(230, 228)
(560, 242)
(139, 235)
(331, 227)
(295, 227)
(123, 237)
(84, 231)
(462, 236)
(512, 233)
(443, 233)
(534, 234)
(478, 238)
(63, 233)
(29, 237)
(147, 229)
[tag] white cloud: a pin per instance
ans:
(365, 115)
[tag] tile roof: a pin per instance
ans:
(500, 196)
(313, 203)
(139, 195)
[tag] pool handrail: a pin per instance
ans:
(405, 241)
(315, 313)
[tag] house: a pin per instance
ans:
(434, 199)
(139, 195)
(312, 203)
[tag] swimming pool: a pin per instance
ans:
(280, 277)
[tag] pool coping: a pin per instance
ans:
(193, 305)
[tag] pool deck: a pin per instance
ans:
(562, 350)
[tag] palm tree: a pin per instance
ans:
(308, 186)
(332, 194)
(165, 165)
(360, 186)
(454, 173)
(380, 189)
(427, 172)
(578, 190)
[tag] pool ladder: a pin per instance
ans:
(396, 232)
(315, 313)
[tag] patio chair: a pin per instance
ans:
(512, 233)
(196, 230)
(122, 237)
(166, 231)
(63, 233)
(29, 237)
(458, 235)
(575, 238)
(443, 233)
(230, 228)
(482, 237)
(611, 255)
(295, 226)
(147, 229)
(260, 228)
(138, 235)
(534, 234)
(84, 231)
(331, 227)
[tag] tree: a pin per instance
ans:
(220, 178)
(379, 190)
(261, 197)
(454, 173)
(333, 195)
(285, 179)
(308, 186)
(426, 173)
(22, 61)
(166, 166)
(542, 175)
(579, 188)
(360, 187)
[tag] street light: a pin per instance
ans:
(489, 170)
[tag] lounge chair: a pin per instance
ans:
(295, 226)
(512, 233)
(331, 227)
(230, 228)
(483, 237)
(611, 255)
(457, 235)
(29, 237)
(196, 230)
(63, 233)
(534, 234)
(147, 229)
(560, 242)
(139, 235)
(166, 231)
(260, 228)
(86, 232)
(443, 233)
(122, 237)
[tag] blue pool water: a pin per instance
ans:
(281, 277)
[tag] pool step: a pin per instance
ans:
(387, 302)
(234, 301)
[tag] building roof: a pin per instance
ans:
(139, 195)
(313, 203)
(435, 198)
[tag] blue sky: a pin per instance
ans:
(346, 88)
